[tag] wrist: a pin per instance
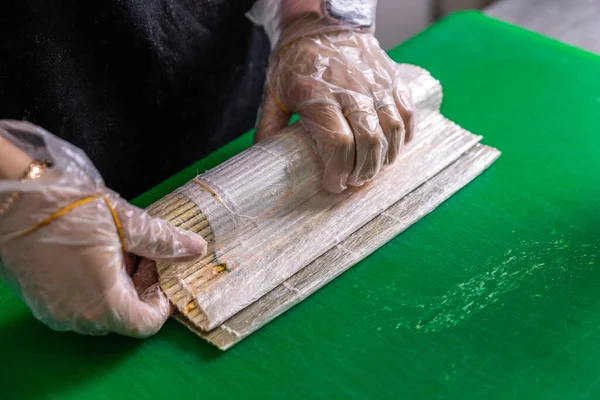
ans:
(311, 25)
(277, 16)
(352, 14)
(13, 161)
(292, 10)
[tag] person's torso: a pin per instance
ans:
(144, 87)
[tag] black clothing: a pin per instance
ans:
(145, 88)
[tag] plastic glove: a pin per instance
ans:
(347, 93)
(64, 243)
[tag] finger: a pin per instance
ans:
(146, 282)
(391, 124)
(371, 144)
(328, 127)
(136, 317)
(154, 291)
(406, 110)
(113, 304)
(272, 118)
(154, 238)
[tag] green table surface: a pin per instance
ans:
(495, 295)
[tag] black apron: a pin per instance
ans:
(144, 87)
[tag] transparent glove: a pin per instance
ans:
(348, 95)
(66, 242)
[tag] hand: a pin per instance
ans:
(348, 95)
(65, 242)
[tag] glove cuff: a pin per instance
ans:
(276, 16)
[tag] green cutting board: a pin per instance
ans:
(495, 295)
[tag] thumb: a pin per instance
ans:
(273, 117)
(154, 238)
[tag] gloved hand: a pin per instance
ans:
(347, 93)
(64, 244)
